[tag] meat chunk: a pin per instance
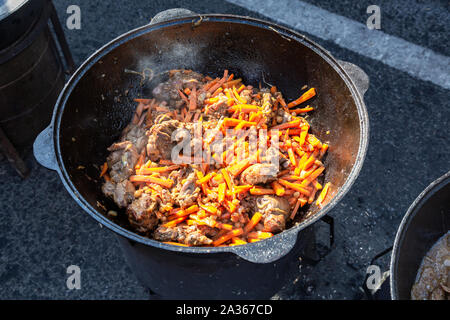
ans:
(275, 211)
(259, 173)
(160, 141)
(190, 235)
(142, 213)
(122, 193)
(186, 194)
(136, 135)
(122, 160)
(178, 80)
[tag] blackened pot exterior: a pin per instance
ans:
(225, 275)
(97, 103)
(427, 220)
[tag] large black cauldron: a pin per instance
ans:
(427, 220)
(97, 103)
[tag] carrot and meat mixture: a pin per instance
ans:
(248, 162)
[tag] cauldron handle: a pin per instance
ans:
(358, 76)
(43, 149)
(268, 250)
(171, 14)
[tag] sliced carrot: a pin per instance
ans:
(104, 169)
(242, 189)
(261, 191)
(323, 194)
(227, 178)
(176, 243)
(144, 101)
(246, 108)
(273, 90)
(219, 83)
(230, 84)
(295, 186)
(228, 236)
(206, 178)
(183, 97)
(174, 222)
(286, 125)
(304, 97)
(221, 192)
(230, 122)
(253, 222)
(294, 211)
(193, 100)
(302, 110)
(292, 157)
(237, 241)
(312, 176)
(237, 169)
(304, 132)
(278, 189)
(167, 183)
(145, 171)
(210, 208)
(259, 235)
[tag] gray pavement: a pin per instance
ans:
(42, 230)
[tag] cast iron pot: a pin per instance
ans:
(97, 103)
(427, 220)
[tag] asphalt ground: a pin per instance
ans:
(43, 231)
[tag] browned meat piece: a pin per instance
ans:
(136, 135)
(267, 106)
(275, 211)
(190, 235)
(246, 94)
(186, 194)
(122, 160)
(142, 213)
(160, 142)
(179, 80)
(433, 275)
(122, 193)
(259, 173)
(218, 110)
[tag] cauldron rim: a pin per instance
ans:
(137, 32)
(412, 211)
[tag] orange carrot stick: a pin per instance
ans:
(174, 222)
(206, 178)
(145, 171)
(193, 100)
(286, 125)
(221, 192)
(302, 110)
(323, 194)
(176, 243)
(167, 183)
(245, 108)
(104, 169)
(304, 97)
(261, 191)
(253, 222)
(228, 236)
(294, 186)
(278, 189)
